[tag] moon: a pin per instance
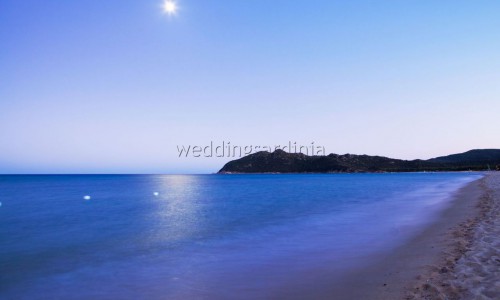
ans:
(170, 7)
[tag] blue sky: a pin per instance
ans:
(115, 86)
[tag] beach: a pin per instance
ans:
(469, 263)
(456, 257)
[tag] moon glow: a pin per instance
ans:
(170, 7)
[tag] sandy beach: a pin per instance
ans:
(457, 257)
(469, 263)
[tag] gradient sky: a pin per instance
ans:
(114, 86)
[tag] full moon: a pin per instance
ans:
(170, 7)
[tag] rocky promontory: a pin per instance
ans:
(280, 161)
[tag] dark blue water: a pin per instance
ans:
(203, 236)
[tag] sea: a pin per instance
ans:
(205, 236)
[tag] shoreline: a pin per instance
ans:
(446, 260)
(436, 262)
(469, 266)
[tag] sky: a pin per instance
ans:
(117, 86)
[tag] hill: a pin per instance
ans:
(280, 161)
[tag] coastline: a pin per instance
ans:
(446, 260)
(469, 266)
(451, 259)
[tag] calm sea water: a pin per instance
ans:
(203, 236)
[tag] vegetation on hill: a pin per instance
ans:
(280, 161)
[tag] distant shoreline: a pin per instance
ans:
(280, 161)
(327, 173)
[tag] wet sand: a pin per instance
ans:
(457, 257)
(469, 265)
